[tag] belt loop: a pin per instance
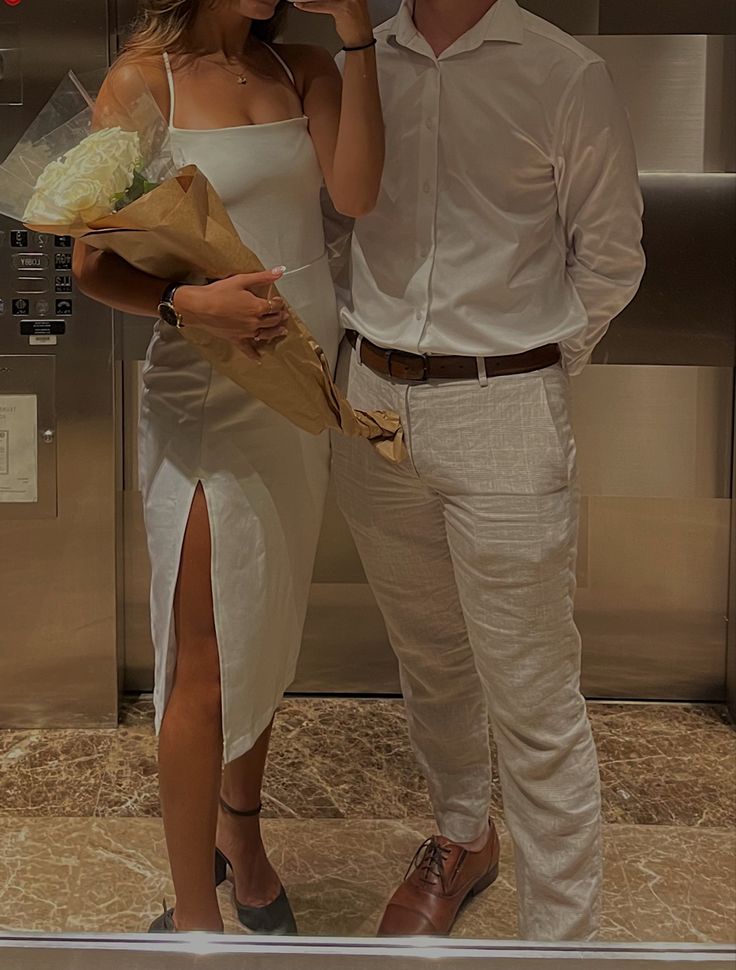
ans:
(359, 347)
(482, 376)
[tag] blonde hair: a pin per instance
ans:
(162, 24)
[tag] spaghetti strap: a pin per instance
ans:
(282, 62)
(170, 76)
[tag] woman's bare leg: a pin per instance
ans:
(190, 745)
(256, 882)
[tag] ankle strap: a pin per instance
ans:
(233, 811)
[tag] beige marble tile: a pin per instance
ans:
(337, 758)
(52, 773)
(666, 764)
(672, 884)
(661, 883)
(40, 867)
(129, 778)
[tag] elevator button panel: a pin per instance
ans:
(36, 283)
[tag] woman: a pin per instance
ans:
(233, 493)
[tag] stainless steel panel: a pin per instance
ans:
(652, 613)
(676, 89)
(136, 623)
(720, 105)
(345, 649)
(670, 17)
(77, 952)
(573, 16)
(34, 375)
(731, 640)
(58, 663)
(654, 431)
(685, 310)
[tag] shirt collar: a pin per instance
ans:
(503, 22)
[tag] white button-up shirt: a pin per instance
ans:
(510, 210)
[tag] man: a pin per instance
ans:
(506, 237)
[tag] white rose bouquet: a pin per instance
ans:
(77, 164)
(104, 174)
(101, 174)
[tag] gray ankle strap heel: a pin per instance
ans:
(274, 919)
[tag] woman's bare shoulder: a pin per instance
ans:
(133, 73)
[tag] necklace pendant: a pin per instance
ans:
(242, 79)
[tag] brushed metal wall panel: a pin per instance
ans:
(573, 16)
(720, 106)
(654, 431)
(345, 648)
(685, 310)
(731, 640)
(665, 83)
(653, 611)
(337, 558)
(667, 17)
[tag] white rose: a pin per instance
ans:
(82, 185)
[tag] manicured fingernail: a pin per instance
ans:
(278, 270)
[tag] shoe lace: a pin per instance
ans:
(429, 861)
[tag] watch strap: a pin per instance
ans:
(167, 310)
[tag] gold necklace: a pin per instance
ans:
(240, 77)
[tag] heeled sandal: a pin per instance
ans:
(274, 919)
(164, 923)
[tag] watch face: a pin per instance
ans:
(168, 314)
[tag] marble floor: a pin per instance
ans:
(81, 841)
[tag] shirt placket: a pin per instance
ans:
(428, 198)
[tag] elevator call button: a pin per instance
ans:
(21, 307)
(32, 261)
(63, 308)
(19, 238)
(31, 284)
(63, 261)
(63, 242)
(63, 284)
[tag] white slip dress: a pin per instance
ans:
(264, 480)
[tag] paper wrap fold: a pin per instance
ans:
(181, 230)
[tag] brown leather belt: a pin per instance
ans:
(404, 366)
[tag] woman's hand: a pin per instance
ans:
(230, 309)
(352, 20)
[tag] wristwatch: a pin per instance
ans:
(166, 309)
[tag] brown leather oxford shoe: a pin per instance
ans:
(440, 878)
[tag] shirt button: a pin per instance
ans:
(426, 188)
(418, 314)
(429, 123)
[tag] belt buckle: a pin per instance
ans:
(425, 367)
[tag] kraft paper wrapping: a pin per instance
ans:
(181, 230)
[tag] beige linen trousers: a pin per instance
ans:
(469, 546)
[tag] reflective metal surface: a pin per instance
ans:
(731, 640)
(573, 16)
(229, 953)
(659, 432)
(685, 311)
(670, 17)
(680, 92)
(58, 663)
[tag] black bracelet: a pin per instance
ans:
(364, 47)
